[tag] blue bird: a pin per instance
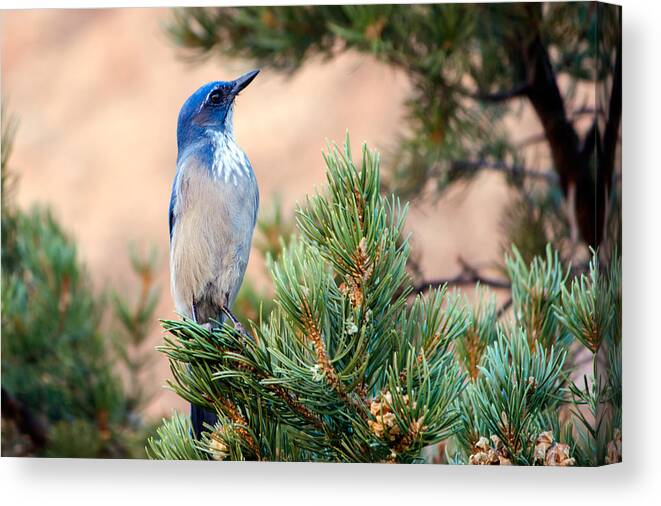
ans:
(213, 209)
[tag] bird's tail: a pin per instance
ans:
(204, 311)
(199, 416)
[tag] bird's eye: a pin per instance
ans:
(215, 97)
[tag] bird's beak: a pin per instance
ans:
(243, 81)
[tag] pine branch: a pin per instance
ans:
(518, 91)
(469, 275)
(340, 342)
(348, 368)
(516, 171)
(536, 288)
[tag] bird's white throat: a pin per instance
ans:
(230, 163)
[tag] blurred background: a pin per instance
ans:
(92, 98)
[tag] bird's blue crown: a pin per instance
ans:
(209, 110)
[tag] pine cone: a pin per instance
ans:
(490, 453)
(614, 448)
(550, 453)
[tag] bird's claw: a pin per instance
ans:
(237, 324)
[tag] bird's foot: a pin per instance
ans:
(237, 324)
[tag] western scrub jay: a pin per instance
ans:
(213, 209)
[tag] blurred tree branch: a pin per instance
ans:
(518, 91)
(469, 275)
(516, 171)
(26, 421)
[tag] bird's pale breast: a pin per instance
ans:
(210, 244)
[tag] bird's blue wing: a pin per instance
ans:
(173, 201)
(254, 218)
(199, 416)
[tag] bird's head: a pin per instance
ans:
(209, 109)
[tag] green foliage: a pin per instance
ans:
(74, 439)
(342, 370)
(173, 441)
(62, 393)
(135, 321)
(523, 393)
(516, 386)
(472, 68)
(50, 324)
(481, 331)
(349, 366)
(590, 312)
(531, 221)
(535, 290)
(587, 308)
(9, 126)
